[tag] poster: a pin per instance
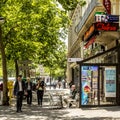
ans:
(86, 83)
(110, 82)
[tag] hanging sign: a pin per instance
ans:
(88, 33)
(107, 5)
(74, 59)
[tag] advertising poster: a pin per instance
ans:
(85, 91)
(110, 82)
(86, 82)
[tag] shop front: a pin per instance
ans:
(99, 79)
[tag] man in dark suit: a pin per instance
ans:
(28, 86)
(19, 89)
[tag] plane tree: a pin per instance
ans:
(71, 4)
(31, 28)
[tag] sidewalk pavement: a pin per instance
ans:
(35, 112)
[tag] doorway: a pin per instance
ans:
(98, 85)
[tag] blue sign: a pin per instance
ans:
(112, 18)
(102, 17)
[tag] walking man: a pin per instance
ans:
(19, 89)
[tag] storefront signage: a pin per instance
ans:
(106, 26)
(74, 59)
(107, 5)
(102, 17)
(112, 18)
(88, 33)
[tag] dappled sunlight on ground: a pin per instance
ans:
(36, 112)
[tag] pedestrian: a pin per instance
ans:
(59, 84)
(28, 86)
(40, 91)
(19, 89)
(64, 84)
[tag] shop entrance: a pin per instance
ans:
(98, 85)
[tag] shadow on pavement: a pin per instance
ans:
(36, 112)
(108, 108)
(33, 112)
(101, 118)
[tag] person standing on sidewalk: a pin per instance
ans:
(19, 89)
(59, 84)
(40, 91)
(28, 86)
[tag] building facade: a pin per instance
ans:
(94, 37)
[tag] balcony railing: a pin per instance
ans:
(89, 9)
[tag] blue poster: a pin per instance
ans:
(84, 95)
(110, 75)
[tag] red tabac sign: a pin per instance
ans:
(107, 5)
(106, 26)
(98, 26)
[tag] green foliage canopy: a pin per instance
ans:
(33, 29)
(71, 4)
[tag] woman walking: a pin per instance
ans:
(40, 91)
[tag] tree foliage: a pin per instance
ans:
(71, 4)
(33, 29)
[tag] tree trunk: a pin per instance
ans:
(4, 68)
(16, 68)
